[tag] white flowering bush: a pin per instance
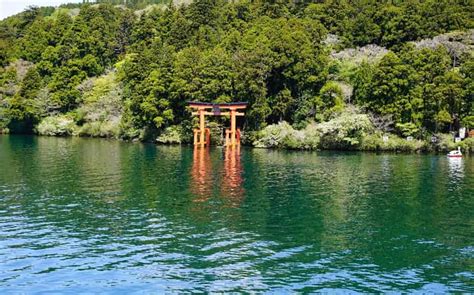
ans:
(101, 112)
(311, 137)
(100, 129)
(61, 125)
(274, 136)
(344, 131)
(283, 135)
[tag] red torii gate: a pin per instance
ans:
(202, 135)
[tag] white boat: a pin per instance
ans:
(455, 154)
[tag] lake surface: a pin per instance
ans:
(92, 215)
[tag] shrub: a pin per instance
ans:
(345, 131)
(127, 130)
(282, 135)
(375, 142)
(372, 142)
(274, 136)
(102, 111)
(407, 129)
(311, 137)
(400, 144)
(446, 143)
(468, 122)
(171, 135)
(100, 129)
(4, 119)
(57, 126)
(467, 145)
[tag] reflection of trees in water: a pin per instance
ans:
(405, 209)
(10, 160)
(386, 209)
(98, 166)
(379, 201)
(377, 205)
(281, 203)
(60, 182)
(42, 165)
(315, 192)
(91, 183)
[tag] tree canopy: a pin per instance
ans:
(273, 54)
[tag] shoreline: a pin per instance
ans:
(432, 151)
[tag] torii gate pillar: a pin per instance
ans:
(202, 136)
(232, 135)
(233, 128)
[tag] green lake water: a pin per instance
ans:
(93, 215)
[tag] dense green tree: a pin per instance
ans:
(449, 95)
(270, 53)
(204, 13)
(390, 88)
(364, 30)
(331, 99)
(35, 41)
(124, 32)
(467, 70)
(22, 112)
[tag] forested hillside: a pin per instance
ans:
(316, 74)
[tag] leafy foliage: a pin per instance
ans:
(171, 135)
(283, 135)
(57, 126)
(417, 87)
(345, 131)
(129, 70)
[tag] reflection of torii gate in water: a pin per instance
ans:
(203, 181)
(202, 135)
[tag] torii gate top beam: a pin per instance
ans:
(209, 105)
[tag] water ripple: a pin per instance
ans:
(87, 216)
